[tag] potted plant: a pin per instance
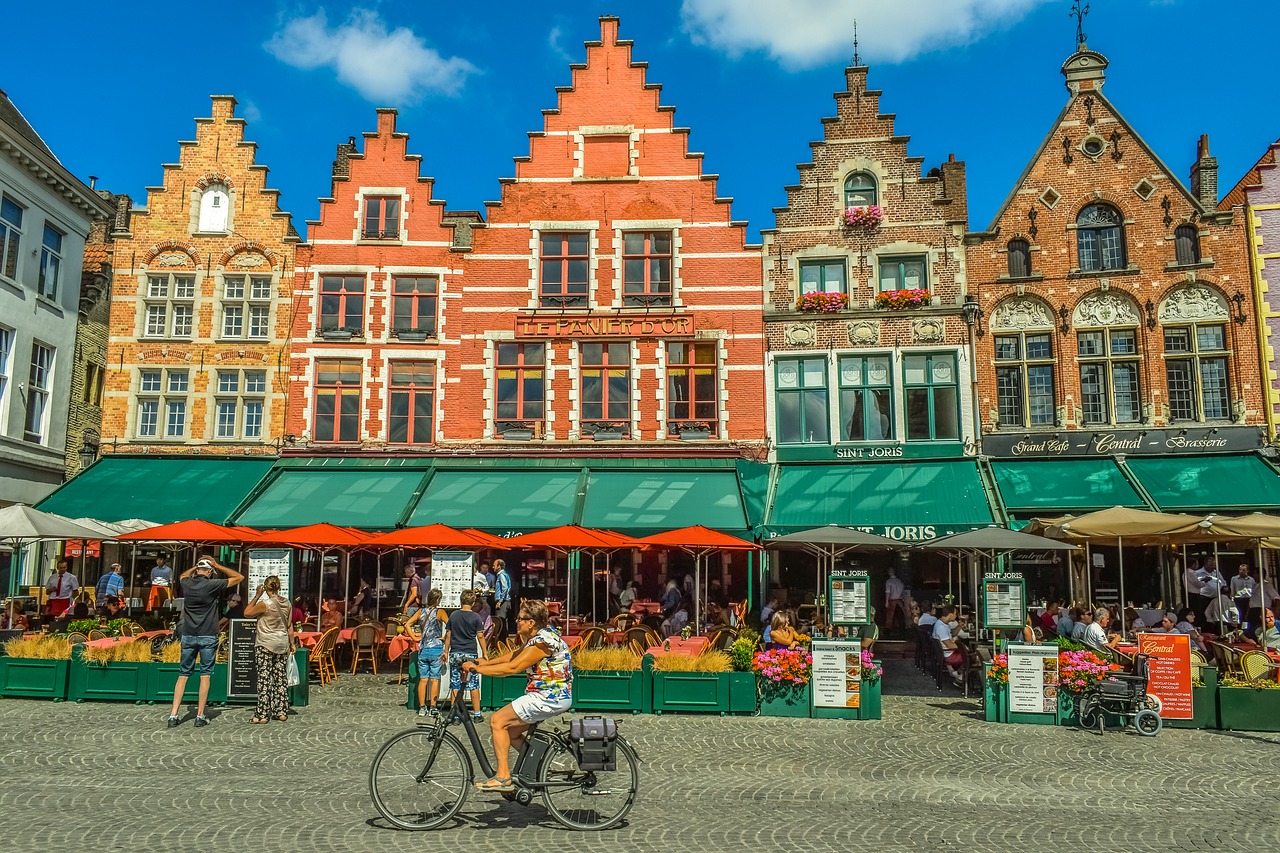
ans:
(607, 430)
(872, 673)
(821, 302)
(120, 672)
(35, 667)
(337, 333)
(515, 430)
(693, 430)
(610, 679)
(1078, 671)
(866, 218)
(164, 677)
(697, 685)
(743, 695)
(995, 704)
(905, 299)
(784, 682)
(419, 334)
(1249, 706)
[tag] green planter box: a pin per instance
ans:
(1249, 709)
(34, 678)
(995, 699)
(495, 691)
(118, 681)
(1067, 709)
(610, 691)
(300, 693)
(164, 678)
(1204, 703)
(744, 697)
(691, 692)
(870, 707)
(777, 701)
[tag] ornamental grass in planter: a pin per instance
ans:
(610, 679)
(120, 672)
(690, 684)
(35, 667)
(1249, 706)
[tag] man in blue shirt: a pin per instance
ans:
(110, 585)
(501, 592)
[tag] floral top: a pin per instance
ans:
(432, 629)
(553, 675)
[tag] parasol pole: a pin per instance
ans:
(1120, 548)
(1218, 598)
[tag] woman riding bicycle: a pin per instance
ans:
(544, 656)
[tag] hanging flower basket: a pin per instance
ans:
(819, 302)
(866, 218)
(905, 299)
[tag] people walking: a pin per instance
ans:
(199, 630)
(427, 625)
(274, 643)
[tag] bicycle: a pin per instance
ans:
(420, 777)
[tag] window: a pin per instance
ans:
(215, 209)
(6, 347)
(825, 276)
(1019, 258)
(381, 218)
(412, 402)
(342, 303)
(1186, 244)
(564, 269)
(933, 409)
(801, 400)
(646, 268)
(10, 236)
(1024, 379)
(150, 383)
(605, 371)
(239, 405)
(39, 382)
(866, 398)
(246, 300)
(860, 190)
(1100, 238)
(50, 262)
(521, 390)
(692, 384)
(1196, 368)
(338, 399)
(1109, 391)
(414, 304)
(903, 272)
(170, 306)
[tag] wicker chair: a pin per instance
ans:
(321, 657)
(593, 638)
(76, 639)
(1256, 666)
(364, 646)
(97, 634)
(1198, 662)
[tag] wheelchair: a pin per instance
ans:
(1123, 695)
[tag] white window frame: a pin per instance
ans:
(50, 262)
(39, 386)
(11, 240)
(170, 298)
(6, 351)
(240, 398)
(173, 388)
(252, 300)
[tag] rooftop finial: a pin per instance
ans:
(1079, 13)
(857, 60)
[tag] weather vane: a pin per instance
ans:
(857, 60)
(1079, 13)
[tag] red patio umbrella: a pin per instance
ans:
(573, 537)
(192, 531)
(323, 535)
(431, 536)
(697, 541)
(489, 540)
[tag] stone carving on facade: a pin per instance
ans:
(1105, 309)
(172, 259)
(248, 259)
(800, 334)
(1021, 313)
(1190, 304)
(930, 331)
(864, 333)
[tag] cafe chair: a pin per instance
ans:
(97, 634)
(365, 646)
(593, 638)
(321, 657)
(1256, 666)
(76, 638)
(1198, 662)
(498, 632)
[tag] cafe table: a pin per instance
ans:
(308, 639)
(691, 647)
(346, 635)
(400, 644)
(642, 607)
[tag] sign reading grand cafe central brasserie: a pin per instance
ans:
(1151, 442)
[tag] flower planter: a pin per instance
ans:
(117, 681)
(337, 334)
(695, 435)
(495, 691)
(610, 691)
(34, 678)
(1249, 709)
(164, 678)
(691, 692)
(300, 693)
(1204, 703)
(517, 435)
(995, 699)
(779, 700)
(1067, 715)
(869, 708)
(744, 697)
(412, 334)
(607, 435)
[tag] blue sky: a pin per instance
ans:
(752, 78)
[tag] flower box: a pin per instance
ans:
(610, 691)
(785, 699)
(337, 334)
(1249, 709)
(744, 697)
(1204, 703)
(34, 678)
(691, 692)
(495, 690)
(865, 217)
(413, 334)
(517, 435)
(869, 707)
(300, 693)
(117, 681)
(164, 678)
(904, 300)
(695, 435)
(995, 705)
(608, 435)
(821, 302)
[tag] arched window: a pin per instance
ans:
(860, 190)
(1186, 244)
(1100, 238)
(215, 204)
(1019, 258)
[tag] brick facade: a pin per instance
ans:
(201, 304)
(1138, 330)
(862, 161)
(88, 377)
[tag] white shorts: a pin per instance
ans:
(535, 707)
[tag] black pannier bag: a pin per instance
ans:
(593, 741)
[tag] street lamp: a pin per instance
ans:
(88, 453)
(972, 312)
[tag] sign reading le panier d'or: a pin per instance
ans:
(603, 326)
(1004, 601)
(1150, 442)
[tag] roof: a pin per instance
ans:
(12, 116)
(1252, 178)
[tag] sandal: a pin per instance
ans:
(259, 721)
(284, 718)
(496, 785)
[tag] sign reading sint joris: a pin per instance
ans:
(604, 326)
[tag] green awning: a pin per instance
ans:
(159, 488)
(902, 500)
(503, 502)
(1208, 483)
(367, 497)
(1045, 486)
(640, 503)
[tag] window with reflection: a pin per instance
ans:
(860, 190)
(800, 397)
(1109, 384)
(1024, 379)
(1195, 358)
(933, 401)
(866, 398)
(1100, 239)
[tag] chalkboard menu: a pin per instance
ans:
(242, 667)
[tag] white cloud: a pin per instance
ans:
(383, 65)
(553, 42)
(804, 33)
(249, 111)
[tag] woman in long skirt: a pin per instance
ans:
(274, 645)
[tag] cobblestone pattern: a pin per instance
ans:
(931, 775)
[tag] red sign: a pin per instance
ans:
(76, 548)
(1170, 667)
(604, 326)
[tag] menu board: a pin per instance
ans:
(242, 666)
(451, 573)
(1004, 600)
(837, 673)
(1033, 678)
(265, 562)
(850, 598)
(1169, 672)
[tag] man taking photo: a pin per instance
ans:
(201, 589)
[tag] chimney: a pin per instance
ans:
(93, 182)
(1204, 175)
(342, 165)
(124, 213)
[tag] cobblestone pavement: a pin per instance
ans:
(931, 775)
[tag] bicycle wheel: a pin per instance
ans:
(1090, 712)
(597, 799)
(1148, 723)
(414, 790)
